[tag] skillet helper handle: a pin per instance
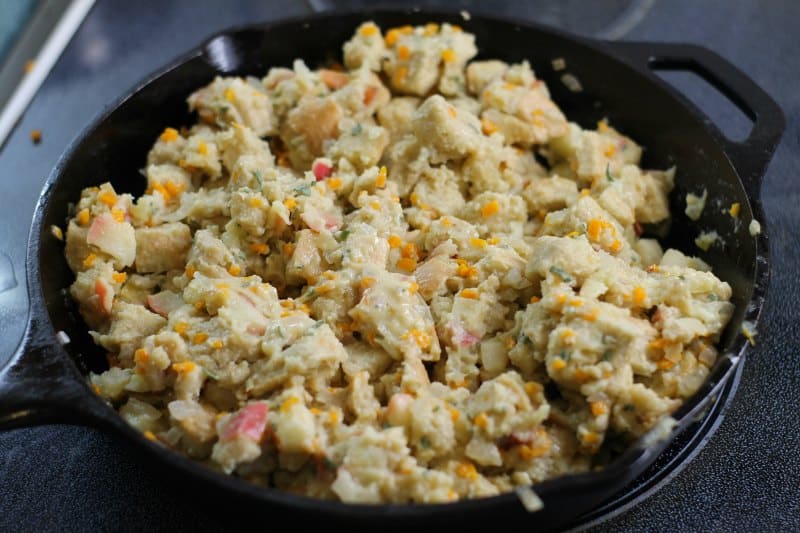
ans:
(39, 385)
(749, 157)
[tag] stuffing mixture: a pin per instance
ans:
(405, 279)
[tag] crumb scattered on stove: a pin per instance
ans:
(36, 136)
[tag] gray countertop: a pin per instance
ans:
(746, 478)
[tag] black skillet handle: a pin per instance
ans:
(40, 384)
(749, 157)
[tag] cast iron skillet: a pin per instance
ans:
(45, 380)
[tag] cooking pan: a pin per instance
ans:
(45, 380)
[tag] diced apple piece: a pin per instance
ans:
(249, 423)
(334, 79)
(117, 239)
(164, 302)
(105, 294)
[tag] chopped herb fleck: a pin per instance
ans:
(561, 273)
(303, 190)
(629, 407)
(607, 355)
(342, 235)
(565, 355)
(210, 374)
(425, 442)
(357, 129)
(609, 177)
(259, 178)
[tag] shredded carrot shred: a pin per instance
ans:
(488, 127)
(259, 248)
(108, 198)
(288, 403)
(471, 294)
(169, 135)
(467, 470)
(406, 263)
(368, 30)
(183, 367)
(490, 208)
(639, 296)
(400, 75)
(391, 37)
(431, 29)
(83, 217)
(380, 181)
(598, 408)
(449, 55)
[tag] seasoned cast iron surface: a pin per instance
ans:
(68, 478)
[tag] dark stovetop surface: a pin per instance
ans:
(746, 478)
